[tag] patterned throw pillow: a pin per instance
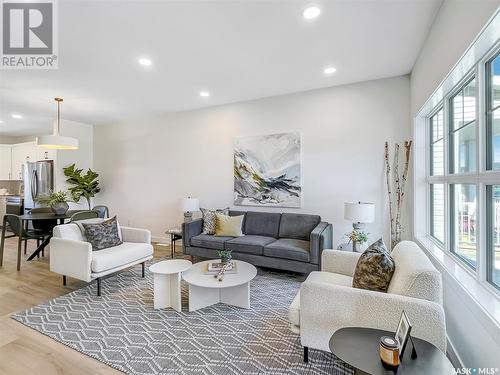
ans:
(374, 269)
(103, 235)
(210, 220)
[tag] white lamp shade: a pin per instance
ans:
(359, 212)
(190, 204)
(57, 142)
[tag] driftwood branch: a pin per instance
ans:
(389, 190)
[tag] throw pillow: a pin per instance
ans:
(209, 219)
(80, 223)
(229, 226)
(103, 235)
(374, 269)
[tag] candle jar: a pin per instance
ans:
(389, 351)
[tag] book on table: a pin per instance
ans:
(214, 268)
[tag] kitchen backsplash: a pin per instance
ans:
(12, 186)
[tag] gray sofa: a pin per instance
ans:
(287, 241)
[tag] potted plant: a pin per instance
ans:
(358, 238)
(57, 201)
(86, 185)
(225, 256)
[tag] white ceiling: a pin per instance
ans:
(237, 49)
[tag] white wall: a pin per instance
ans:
(83, 157)
(473, 333)
(456, 25)
(149, 165)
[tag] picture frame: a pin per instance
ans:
(403, 332)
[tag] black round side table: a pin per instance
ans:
(359, 347)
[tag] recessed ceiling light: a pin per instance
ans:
(15, 115)
(145, 61)
(204, 94)
(329, 70)
(311, 13)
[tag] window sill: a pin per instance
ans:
(486, 296)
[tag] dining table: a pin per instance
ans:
(26, 218)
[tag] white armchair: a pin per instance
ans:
(71, 255)
(327, 301)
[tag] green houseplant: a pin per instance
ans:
(57, 201)
(82, 185)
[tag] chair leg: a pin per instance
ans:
(19, 252)
(64, 280)
(306, 354)
(25, 246)
(143, 264)
(98, 286)
(2, 243)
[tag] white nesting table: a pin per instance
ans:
(205, 290)
(167, 282)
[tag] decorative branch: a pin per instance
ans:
(399, 187)
(389, 190)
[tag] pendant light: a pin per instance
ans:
(56, 141)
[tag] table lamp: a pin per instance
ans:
(359, 213)
(189, 206)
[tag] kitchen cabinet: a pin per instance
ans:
(12, 158)
(5, 162)
(21, 153)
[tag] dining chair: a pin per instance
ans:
(84, 215)
(42, 227)
(16, 226)
(102, 211)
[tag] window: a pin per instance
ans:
(456, 162)
(463, 219)
(493, 234)
(493, 114)
(463, 129)
(437, 212)
(437, 143)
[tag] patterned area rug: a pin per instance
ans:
(122, 329)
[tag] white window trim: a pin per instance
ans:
(486, 44)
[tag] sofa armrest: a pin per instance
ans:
(343, 262)
(71, 258)
(321, 238)
(325, 308)
(136, 235)
(191, 229)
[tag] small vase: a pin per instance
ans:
(60, 208)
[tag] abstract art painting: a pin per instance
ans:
(267, 170)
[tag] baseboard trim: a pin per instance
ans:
(453, 355)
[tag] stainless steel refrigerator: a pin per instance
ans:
(38, 180)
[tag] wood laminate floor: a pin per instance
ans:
(23, 350)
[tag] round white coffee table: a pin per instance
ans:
(206, 290)
(167, 282)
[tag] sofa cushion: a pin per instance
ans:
(330, 278)
(374, 268)
(249, 244)
(298, 226)
(120, 255)
(210, 242)
(289, 249)
(262, 224)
